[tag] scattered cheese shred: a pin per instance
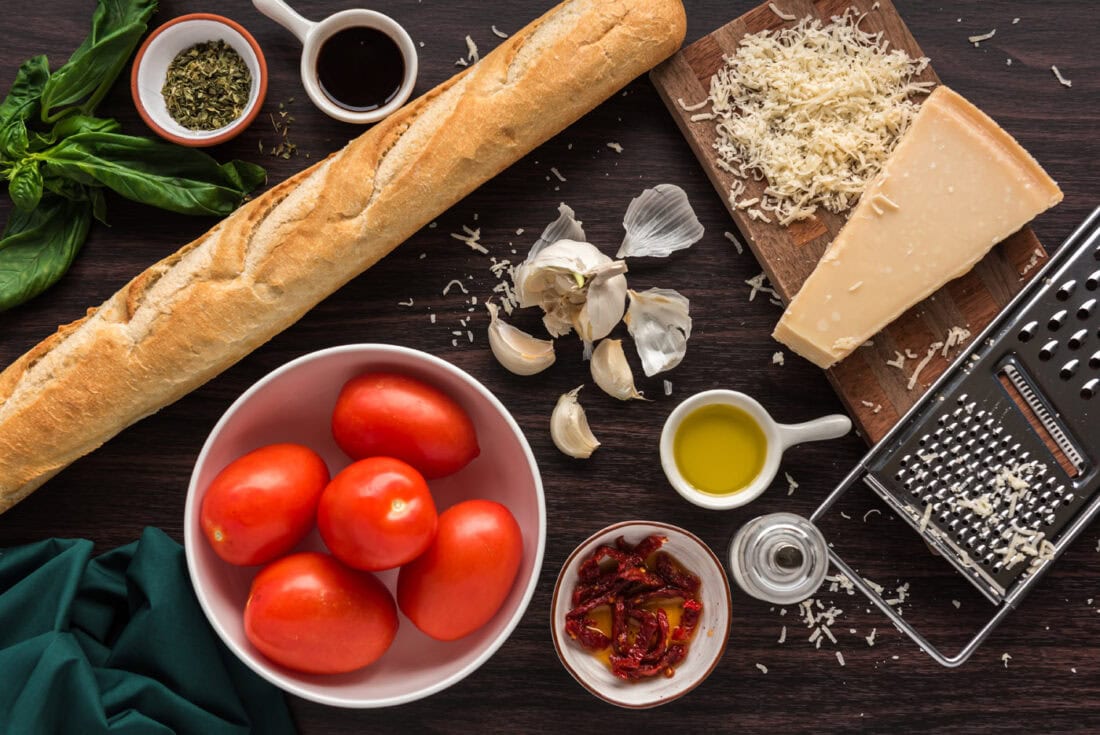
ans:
(736, 243)
(780, 14)
(815, 109)
(783, 635)
(758, 283)
(840, 658)
(1006, 658)
(405, 303)
(1061, 79)
(497, 32)
(791, 484)
(615, 147)
(873, 510)
(668, 387)
(763, 668)
(932, 350)
(471, 50)
(454, 282)
(557, 174)
(692, 108)
(981, 37)
(777, 358)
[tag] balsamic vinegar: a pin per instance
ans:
(360, 69)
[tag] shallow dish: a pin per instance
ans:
(161, 47)
(706, 646)
(294, 404)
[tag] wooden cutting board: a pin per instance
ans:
(875, 393)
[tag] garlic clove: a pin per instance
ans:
(569, 427)
(605, 303)
(659, 322)
(659, 222)
(611, 371)
(515, 349)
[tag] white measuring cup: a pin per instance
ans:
(778, 437)
(313, 36)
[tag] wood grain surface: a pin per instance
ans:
(139, 478)
(874, 393)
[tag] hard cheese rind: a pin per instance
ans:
(955, 186)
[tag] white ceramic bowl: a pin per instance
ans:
(294, 404)
(706, 646)
(161, 47)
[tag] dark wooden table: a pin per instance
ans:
(1051, 682)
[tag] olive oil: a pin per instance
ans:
(719, 449)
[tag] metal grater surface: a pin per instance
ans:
(967, 469)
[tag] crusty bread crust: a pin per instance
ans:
(203, 308)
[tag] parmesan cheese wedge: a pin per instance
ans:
(955, 186)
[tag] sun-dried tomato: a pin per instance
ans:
(630, 580)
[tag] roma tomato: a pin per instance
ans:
(263, 503)
(389, 415)
(310, 613)
(460, 582)
(377, 514)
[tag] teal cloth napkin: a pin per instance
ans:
(118, 644)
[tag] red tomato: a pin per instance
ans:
(263, 503)
(310, 613)
(460, 582)
(387, 415)
(377, 514)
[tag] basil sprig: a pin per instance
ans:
(58, 157)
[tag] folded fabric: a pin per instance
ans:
(118, 644)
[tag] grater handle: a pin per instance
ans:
(903, 625)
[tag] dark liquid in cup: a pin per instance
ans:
(360, 69)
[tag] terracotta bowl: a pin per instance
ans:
(161, 47)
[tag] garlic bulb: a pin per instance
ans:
(515, 349)
(658, 321)
(611, 371)
(569, 427)
(659, 222)
(577, 286)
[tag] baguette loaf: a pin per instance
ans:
(200, 310)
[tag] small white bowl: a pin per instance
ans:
(705, 648)
(294, 404)
(163, 45)
(778, 437)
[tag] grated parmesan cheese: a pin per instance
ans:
(758, 283)
(615, 147)
(777, 358)
(736, 243)
(471, 51)
(815, 109)
(840, 658)
(981, 37)
(668, 387)
(780, 14)
(791, 484)
(454, 282)
(1061, 79)
(783, 634)
(763, 668)
(557, 173)
(932, 350)
(497, 32)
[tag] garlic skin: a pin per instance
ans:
(578, 287)
(659, 322)
(515, 349)
(565, 227)
(569, 427)
(611, 371)
(658, 222)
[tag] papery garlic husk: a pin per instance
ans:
(577, 286)
(565, 227)
(569, 427)
(611, 371)
(659, 222)
(515, 349)
(660, 324)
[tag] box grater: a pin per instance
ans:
(997, 465)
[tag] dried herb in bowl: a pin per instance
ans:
(207, 86)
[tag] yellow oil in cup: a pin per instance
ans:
(719, 449)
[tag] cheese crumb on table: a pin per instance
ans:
(1061, 79)
(763, 668)
(981, 37)
(777, 358)
(1006, 658)
(615, 147)
(791, 484)
(497, 32)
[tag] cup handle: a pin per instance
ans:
(285, 16)
(826, 427)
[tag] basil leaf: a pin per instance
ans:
(83, 81)
(37, 247)
(13, 140)
(25, 187)
(138, 169)
(74, 124)
(23, 98)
